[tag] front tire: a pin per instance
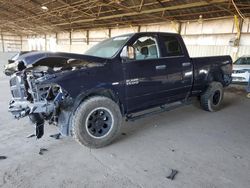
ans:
(96, 122)
(212, 98)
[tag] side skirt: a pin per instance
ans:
(160, 109)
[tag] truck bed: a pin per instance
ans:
(212, 66)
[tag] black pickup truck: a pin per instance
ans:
(87, 95)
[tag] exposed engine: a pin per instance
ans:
(31, 97)
(35, 90)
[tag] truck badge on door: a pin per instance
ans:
(132, 81)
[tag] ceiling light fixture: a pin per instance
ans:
(118, 1)
(200, 20)
(44, 8)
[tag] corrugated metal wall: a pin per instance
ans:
(208, 50)
(212, 38)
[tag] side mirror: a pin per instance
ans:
(128, 53)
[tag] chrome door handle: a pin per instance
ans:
(186, 64)
(160, 67)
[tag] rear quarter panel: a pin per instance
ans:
(208, 69)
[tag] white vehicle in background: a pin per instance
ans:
(241, 69)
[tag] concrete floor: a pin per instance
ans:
(208, 149)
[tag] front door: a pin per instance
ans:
(145, 74)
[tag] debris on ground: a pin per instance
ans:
(172, 175)
(42, 150)
(124, 134)
(56, 136)
(237, 157)
(2, 157)
(112, 155)
(30, 135)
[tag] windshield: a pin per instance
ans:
(108, 48)
(243, 61)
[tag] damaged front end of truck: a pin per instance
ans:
(37, 91)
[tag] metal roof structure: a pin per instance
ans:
(47, 16)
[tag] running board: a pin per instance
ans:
(160, 109)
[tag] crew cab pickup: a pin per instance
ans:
(87, 95)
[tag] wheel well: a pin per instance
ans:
(106, 93)
(216, 76)
(102, 92)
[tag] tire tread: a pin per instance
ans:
(204, 99)
(76, 121)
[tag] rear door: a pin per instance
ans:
(178, 68)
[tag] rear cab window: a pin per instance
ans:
(172, 46)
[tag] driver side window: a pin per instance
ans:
(146, 48)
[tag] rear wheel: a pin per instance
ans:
(212, 98)
(97, 122)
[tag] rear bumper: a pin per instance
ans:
(227, 80)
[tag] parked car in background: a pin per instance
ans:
(241, 69)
